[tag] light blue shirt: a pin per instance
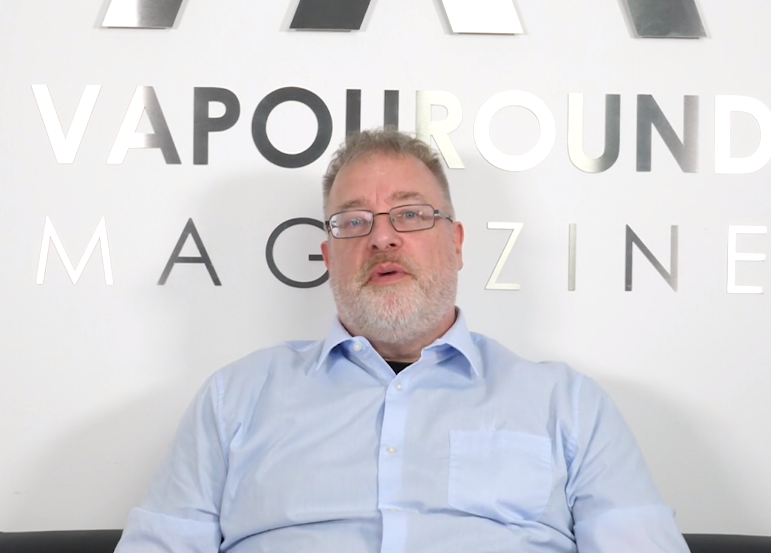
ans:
(318, 447)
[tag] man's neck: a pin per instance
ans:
(403, 353)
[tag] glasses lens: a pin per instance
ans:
(349, 224)
(407, 218)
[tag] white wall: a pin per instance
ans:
(95, 377)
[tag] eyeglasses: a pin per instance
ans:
(404, 218)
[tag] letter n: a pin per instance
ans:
(670, 277)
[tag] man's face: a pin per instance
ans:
(389, 286)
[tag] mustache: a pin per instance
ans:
(381, 258)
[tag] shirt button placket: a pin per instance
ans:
(390, 465)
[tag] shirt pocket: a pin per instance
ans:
(501, 475)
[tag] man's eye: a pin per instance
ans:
(353, 223)
(410, 215)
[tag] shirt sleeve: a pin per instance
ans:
(610, 490)
(180, 512)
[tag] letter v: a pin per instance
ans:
(65, 147)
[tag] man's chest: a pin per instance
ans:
(374, 450)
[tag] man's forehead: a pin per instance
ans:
(391, 178)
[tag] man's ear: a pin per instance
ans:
(325, 252)
(458, 234)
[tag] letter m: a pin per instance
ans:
(50, 236)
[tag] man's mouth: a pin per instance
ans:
(387, 273)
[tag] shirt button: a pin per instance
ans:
(398, 386)
(357, 346)
(391, 450)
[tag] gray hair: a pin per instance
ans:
(387, 141)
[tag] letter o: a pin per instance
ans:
(509, 162)
(260, 122)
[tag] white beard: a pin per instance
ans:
(398, 313)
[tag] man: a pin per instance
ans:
(402, 431)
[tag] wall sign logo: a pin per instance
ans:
(334, 15)
(651, 18)
(142, 14)
(683, 146)
(465, 16)
(666, 18)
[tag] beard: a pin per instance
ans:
(398, 313)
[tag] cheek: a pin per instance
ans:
(342, 260)
(444, 251)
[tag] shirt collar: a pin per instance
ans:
(457, 337)
(336, 336)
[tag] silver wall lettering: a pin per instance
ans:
(426, 128)
(734, 256)
(260, 127)
(65, 147)
(144, 99)
(176, 256)
(391, 108)
(204, 124)
(271, 259)
(50, 236)
(649, 115)
(572, 257)
(142, 14)
(528, 101)
(492, 283)
(465, 16)
(353, 110)
(724, 163)
(651, 18)
(576, 133)
(666, 18)
(330, 15)
(483, 16)
(671, 276)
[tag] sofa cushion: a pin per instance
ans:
(104, 541)
(727, 543)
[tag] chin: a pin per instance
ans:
(399, 312)
(389, 315)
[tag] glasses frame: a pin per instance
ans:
(437, 215)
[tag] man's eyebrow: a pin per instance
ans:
(350, 204)
(358, 203)
(407, 195)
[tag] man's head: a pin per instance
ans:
(395, 288)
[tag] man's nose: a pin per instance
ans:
(384, 236)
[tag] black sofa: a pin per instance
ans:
(104, 541)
